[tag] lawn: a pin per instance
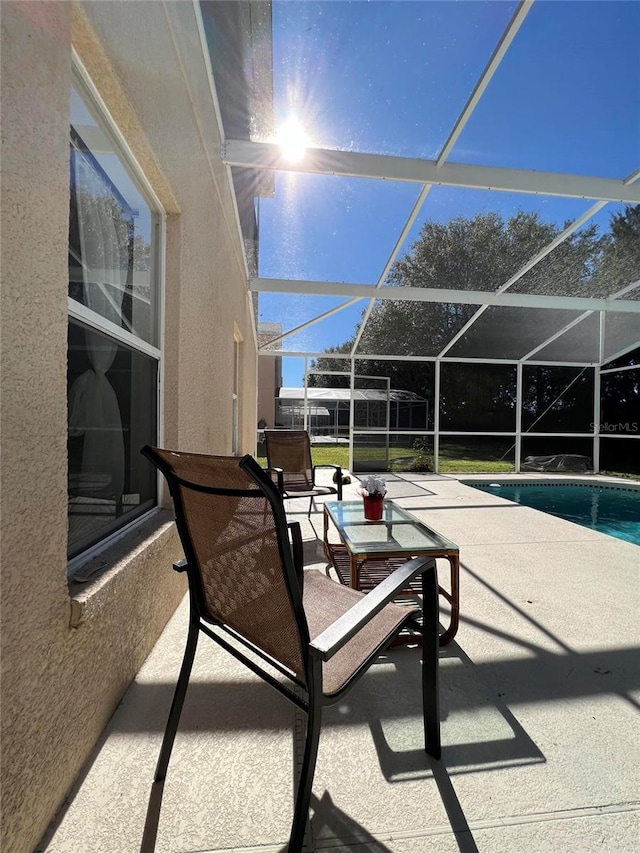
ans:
(459, 460)
(456, 457)
(323, 456)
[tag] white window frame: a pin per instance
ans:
(235, 392)
(77, 311)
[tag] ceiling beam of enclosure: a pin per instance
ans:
(339, 356)
(353, 164)
(430, 294)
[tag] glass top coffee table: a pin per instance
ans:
(369, 550)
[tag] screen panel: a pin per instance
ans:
(330, 228)
(412, 328)
(620, 403)
(477, 397)
(392, 452)
(476, 454)
(288, 311)
(579, 343)
(620, 456)
(556, 454)
(471, 239)
(621, 333)
(557, 399)
(511, 333)
(526, 120)
(370, 76)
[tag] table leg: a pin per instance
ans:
(430, 667)
(325, 541)
(355, 574)
(453, 599)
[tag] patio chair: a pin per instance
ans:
(310, 637)
(290, 466)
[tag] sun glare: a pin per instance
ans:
(293, 140)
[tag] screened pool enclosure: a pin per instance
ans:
(443, 200)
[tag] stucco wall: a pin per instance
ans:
(268, 381)
(60, 683)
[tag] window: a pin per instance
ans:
(113, 355)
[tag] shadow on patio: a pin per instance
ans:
(538, 717)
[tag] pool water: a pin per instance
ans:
(610, 509)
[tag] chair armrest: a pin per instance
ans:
(338, 469)
(279, 472)
(297, 548)
(333, 638)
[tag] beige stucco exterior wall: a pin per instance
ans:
(60, 683)
(268, 380)
(269, 374)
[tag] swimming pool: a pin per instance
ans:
(614, 510)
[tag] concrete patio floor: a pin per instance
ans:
(539, 707)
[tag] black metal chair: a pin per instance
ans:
(247, 588)
(291, 468)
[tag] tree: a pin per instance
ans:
(619, 267)
(620, 259)
(482, 254)
(479, 254)
(327, 380)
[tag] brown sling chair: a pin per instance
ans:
(290, 467)
(247, 589)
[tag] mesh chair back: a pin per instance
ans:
(291, 451)
(236, 551)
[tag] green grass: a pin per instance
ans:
(448, 465)
(625, 476)
(330, 456)
(322, 456)
(470, 459)
(474, 466)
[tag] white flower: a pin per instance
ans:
(373, 485)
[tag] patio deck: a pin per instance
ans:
(539, 696)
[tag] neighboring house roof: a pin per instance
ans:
(313, 411)
(338, 394)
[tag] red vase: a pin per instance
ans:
(373, 507)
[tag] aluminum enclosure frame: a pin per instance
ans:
(268, 157)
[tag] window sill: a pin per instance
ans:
(117, 564)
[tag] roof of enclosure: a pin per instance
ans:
(470, 186)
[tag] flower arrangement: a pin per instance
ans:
(373, 487)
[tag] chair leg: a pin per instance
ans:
(305, 785)
(178, 701)
(430, 662)
(157, 789)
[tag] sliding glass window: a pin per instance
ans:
(113, 353)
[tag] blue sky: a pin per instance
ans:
(392, 77)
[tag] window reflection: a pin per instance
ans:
(112, 414)
(111, 384)
(110, 233)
